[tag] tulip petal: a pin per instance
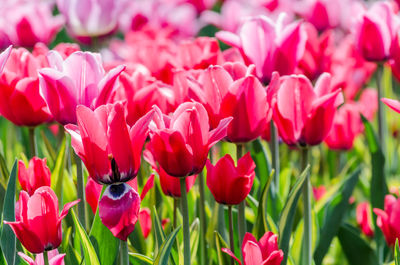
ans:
(230, 253)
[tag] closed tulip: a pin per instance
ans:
(375, 31)
(323, 14)
(109, 148)
(303, 114)
(364, 218)
(20, 99)
(181, 143)
(230, 184)
(35, 176)
(80, 79)
(119, 209)
(265, 251)
(38, 221)
(268, 45)
(388, 219)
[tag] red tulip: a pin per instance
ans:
(20, 100)
(35, 176)
(268, 45)
(169, 185)
(181, 143)
(303, 114)
(38, 221)
(80, 79)
(319, 192)
(388, 219)
(109, 148)
(54, 258)
(228, 184)
(375, 31)
(92, 193)
(119, 209)
(265, 251)
(364, 218)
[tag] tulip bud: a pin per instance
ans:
(35, 176)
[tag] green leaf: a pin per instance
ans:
(261, 225)
(194, 238)
(165, 249)
(397, 252)
(159, 232)
(139, 257)
(105, 244)
(357, 251)
(259, 155)
(8, 240)
(223, 259)
(336, 211)
(287, 216)
(90, 256)
(378, 182)
(58, 172)
(2, 258)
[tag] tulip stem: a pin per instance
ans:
(381, 117)
(45, 258)
(275, 164)
(175, 210)
(32, 141)
(185, 217)
(242, 205)
(124, 253)
(231, 239)
(202, 220)
(80, 190)
(307, 235)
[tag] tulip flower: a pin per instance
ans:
(375, 31)
(3, 58)
(364, 218)
(323, 14)
(265, 251)
(35, 176)
(109, 148)
(269, 46)
(387, 220)
(54, 258)
(92, 193)
(38, 221)
(392, 103)
(92, 18)
(30, 22)
(319, 192)
(145, 221)
(20, 100)
(303, 114)
(230, 184)
(80, 79)
(181, 143)
(119, 209)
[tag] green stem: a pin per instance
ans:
(32, 141)
(307, 235)
(124, 253)
(185, 216)
(80, 190)
(381, 118)
(231, 240)
(202, 220)
(175, 210)
(274, 145)
(45, 258)
(242, 205)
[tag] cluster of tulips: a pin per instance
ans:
(184, 129)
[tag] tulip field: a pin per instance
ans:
(204, 132)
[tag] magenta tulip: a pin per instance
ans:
(230, 184)
(38, 221)
(388, 219)
(35, 176)
(109, 148)
(364, 218)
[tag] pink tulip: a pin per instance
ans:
(80, 79)
(230, 184)
(3, 58)
(91, 18)
(54, 258)
(38, 221)
(265, 251)
(269, 46)
(28, 23)
(181, 143)
(323, 14)
(35, 176)
(319, 192)
(20, 100)
(145, 221)
(109, 148)
(375, 31)
(364, 218)
(119, 209)
(392, 103)
(303, 114)
(388, 219)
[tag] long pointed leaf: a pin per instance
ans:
(165, 250)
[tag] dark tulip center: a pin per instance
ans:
(116, 190)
